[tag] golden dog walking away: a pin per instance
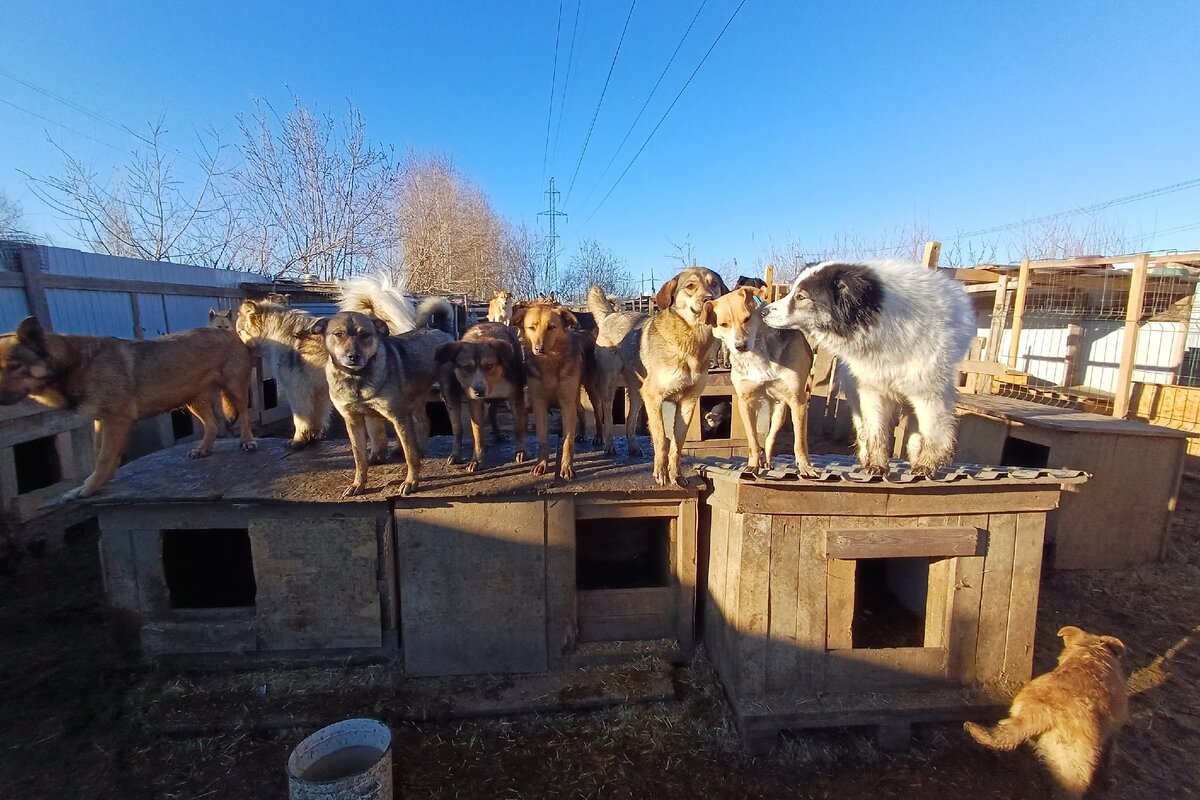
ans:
(1070, 714)
(116, 382)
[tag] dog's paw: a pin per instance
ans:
(610, 449)
(581, 437)
(567, 472)
(354, 490)
(519, 457)
(925, 469)
(872, 468)
(376, 458)
(472, 466)
(660, 477)
(597, 440)
(407, 488)
(78, 493)
(250, 445)
(681, 482)
(540, 467)
(452, 460)
(805, 469)
(200, 452)
(299, 443)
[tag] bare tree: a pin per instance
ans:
(1068, 238)
(524, 262)
(314, 199)
(595, 265)
(451, 238)
(145, 209)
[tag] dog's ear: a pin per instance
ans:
(1115, 645)
(569, 319)
(666, 295)
(248, 308)
(212, 313)
(381, 328)
(721, 284)
(447, 352)
(518, 316)
(317, 327)
(708, 315)
(1070, 635)
(763, 293)
(30, 334)
(504, 350)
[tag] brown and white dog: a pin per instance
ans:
(675, 351)
(555, 357)
(221, 320)
(765, 363)
(116, 382)
(485, 365)
(500, 307)
(1070, 714)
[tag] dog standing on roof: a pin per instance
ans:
(901, 329)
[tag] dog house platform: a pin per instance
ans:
(852, 599)
(250, 556)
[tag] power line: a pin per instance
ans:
(562, 101)
(600, 102)
(553, 81)
(688, 83)
(648, 98)
(60, 125)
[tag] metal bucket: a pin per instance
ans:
(349, 760)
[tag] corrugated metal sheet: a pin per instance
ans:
(90, 313)
(152, 316)
(64, 261)
(13, 308)
(188, 312)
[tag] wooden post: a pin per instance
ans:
(30, 259)
(1075, 357)
(999, 317)
(1018, 313)
(769, 280)
(933, 251)
(1133, 315)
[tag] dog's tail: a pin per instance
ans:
(380, 296)
(1008, 733)
(599, 304)
(436, 312)
(229, 408)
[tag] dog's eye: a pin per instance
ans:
(364, 336)
(487, 367)
(339, 334)
(724, 324)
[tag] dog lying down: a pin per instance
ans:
(1070, 714)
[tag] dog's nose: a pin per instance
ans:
(478, 392)
(351, 357)
(537, 349)
(741, 347)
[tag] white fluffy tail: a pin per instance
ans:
(436, 312)
(379, 296)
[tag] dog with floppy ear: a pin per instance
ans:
(485, 365)
(675, 350)
(1069, 714)
(116, 382)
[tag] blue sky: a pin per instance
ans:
(806, 121)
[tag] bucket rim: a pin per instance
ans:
(377, 724)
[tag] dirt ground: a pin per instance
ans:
(77, 720)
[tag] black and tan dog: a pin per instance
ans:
(372, 374)
(485, 365)
(116, 382)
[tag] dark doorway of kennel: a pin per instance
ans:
(716, 417)
(890, 599)
(1023, 453)
(182, 423)
(620, 408)
(208, 568)
(626, 589)
(37, 464)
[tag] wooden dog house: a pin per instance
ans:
(851, 600)
(252, 556)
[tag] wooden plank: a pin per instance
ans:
(81, 282)
(964, 615)
(783, 649)
(885, 668)
(997, 592)
(811, 601)
(950, 499)
(939, 602)
(933, 251)
(35, 281)
(735, 634)
(1133, 316)
(839, 604)
(1018, 311)
(753, 601)
(626, 614)
(904, 542)
(999, 318)
(1022, 610)
(717, 637)
(153, 595)
(388, 588)
(818, 500)
(473, 588)
(561, 625)
(117, 569)
(625, 509)
(686, 533)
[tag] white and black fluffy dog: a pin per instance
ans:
(901, 329)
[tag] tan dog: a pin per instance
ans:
(554, 372)
(221, 320)
(1070, 714)
(765, 363)
(675, 351)
(116, 382)
(374, 375)
(500, 308)
(485, 365)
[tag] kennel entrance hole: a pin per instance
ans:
(181, 424)
(1023, 453)
(889, 602)
(716, 417)
(209, 568)
(624, 553)
(270, 390)
(37, 464)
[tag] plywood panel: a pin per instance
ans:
(317, 583)
(964, 614)
(473, 588)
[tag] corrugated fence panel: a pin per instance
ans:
(64, 261)
(189, 312)
(13, 308)
(90, 313)
(152, 316)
